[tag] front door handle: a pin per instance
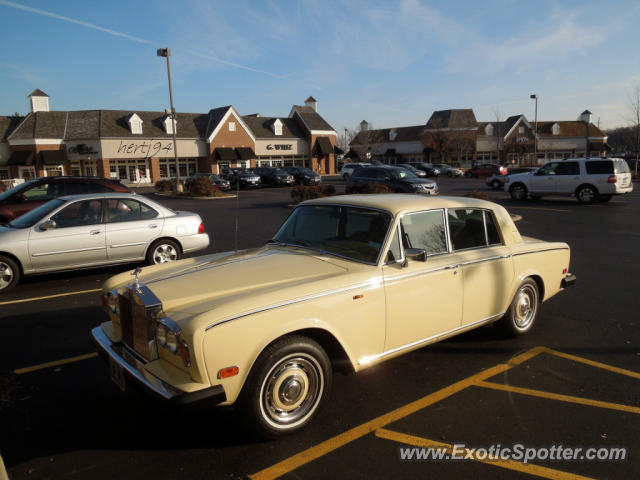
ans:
(153, 226)
(94, 232)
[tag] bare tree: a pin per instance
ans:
(633, 99)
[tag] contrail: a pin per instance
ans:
(19, 6)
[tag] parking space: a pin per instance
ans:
(538, 399)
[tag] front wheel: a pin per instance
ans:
(286, 386)
(522, 313)
(9, 274)
(518, 191)
(495, 184)
(163, 251)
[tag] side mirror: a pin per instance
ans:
(418, 254)
(48, 225)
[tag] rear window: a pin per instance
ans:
(599, 167)
(621, 166)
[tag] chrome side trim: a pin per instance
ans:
(370, 284)
(539, 251)
(487, 259)
(127, 244)
(395, 278)
(433, 338)
(88, 249)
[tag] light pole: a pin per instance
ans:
(535, 134)
(166, 53)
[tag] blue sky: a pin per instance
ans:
(391, 63)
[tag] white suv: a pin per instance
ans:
(588, 179)
(349, 168)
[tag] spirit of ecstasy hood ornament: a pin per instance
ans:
(137, 272)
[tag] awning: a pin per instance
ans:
(337, 150)
(225, 153)
(599, 147)
(21, 158)
(324, 146)
(53, 157)
(391, 152)
(245, 153)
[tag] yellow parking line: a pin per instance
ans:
(24, 300)
(529, 468)
(559, 397)
(586, 361)
(317, 451)
(56, 363)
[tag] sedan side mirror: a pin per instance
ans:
(48, 225)
(419, 254)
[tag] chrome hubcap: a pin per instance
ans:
(518, 192)
(291, 391)
(587, 195)
(526, 306)
(165, 253)
(6, 275)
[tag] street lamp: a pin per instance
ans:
(535, 136)
(166, 53)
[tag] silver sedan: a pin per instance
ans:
(81, 231)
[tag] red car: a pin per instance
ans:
(29, 195)
(485, 170)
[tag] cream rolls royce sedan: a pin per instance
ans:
(347, 282)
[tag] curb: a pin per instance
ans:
(183, 197)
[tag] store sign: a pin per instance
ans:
(522, 139)
(145, 149)
(286, 146)
(82, 149)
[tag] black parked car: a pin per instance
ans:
(245, 176)
(221, 183)
(427, 168)
(275, 177)
(398, 179)
(303, 176)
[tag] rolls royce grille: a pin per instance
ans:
(137, 313)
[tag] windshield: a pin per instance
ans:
(29, 219)
(350, 232)
(307, 171)
(13, 190)
(403, 173)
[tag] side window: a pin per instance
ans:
(424, 230)
(467, 228)
(98, 188)
(85, 212)
(394, 254)
(599, 167)
(492, 231)
(75, 188)
(125, 210)
(548, 169)
(568, 168)
(44, 191)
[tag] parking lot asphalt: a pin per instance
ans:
(573, 381)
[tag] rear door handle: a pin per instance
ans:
(94, 232)
(153, 226)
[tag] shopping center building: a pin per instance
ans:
(456, 137)
(137, 146)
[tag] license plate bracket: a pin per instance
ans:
(117, 374)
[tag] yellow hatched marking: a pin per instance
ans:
(593, 363)
(317, 451)
(528, 468)
(559, 397)
(34, 299)
(56, 363)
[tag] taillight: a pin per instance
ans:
(612, 179)
(201, 228)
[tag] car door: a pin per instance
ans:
(78, 239)
(485, 262)
(543, 181)
(131, 226)
(423, 298)
(567, 177)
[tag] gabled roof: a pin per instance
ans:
(403, 134)
(310, 99)
(8, 125)
(261, 127)
(310, 118)
(37, 93)
(569, 129)
(453, 119)
(215, 116)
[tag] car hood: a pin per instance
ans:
(234, 283)
(414, 181)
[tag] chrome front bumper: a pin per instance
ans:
(136, 374)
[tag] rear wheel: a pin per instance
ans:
(495, 184)
(468, 174)
(9, 274)
(523, 310)
(587, 194)
(449, 174)
(286, 386)
(518, 191)
(163, 251)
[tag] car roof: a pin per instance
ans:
(396, 203)
(90, 196)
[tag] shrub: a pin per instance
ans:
(202, 187)
(3, 187)
(163, 186)
(301, 193)
(479, 194)
(372, 188)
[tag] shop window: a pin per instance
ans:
(4, 174)
(53, 171)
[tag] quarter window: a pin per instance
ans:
(471, 228)
(424, 230)
(599, 167)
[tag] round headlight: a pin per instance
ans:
(172, 342)
(161, 335)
